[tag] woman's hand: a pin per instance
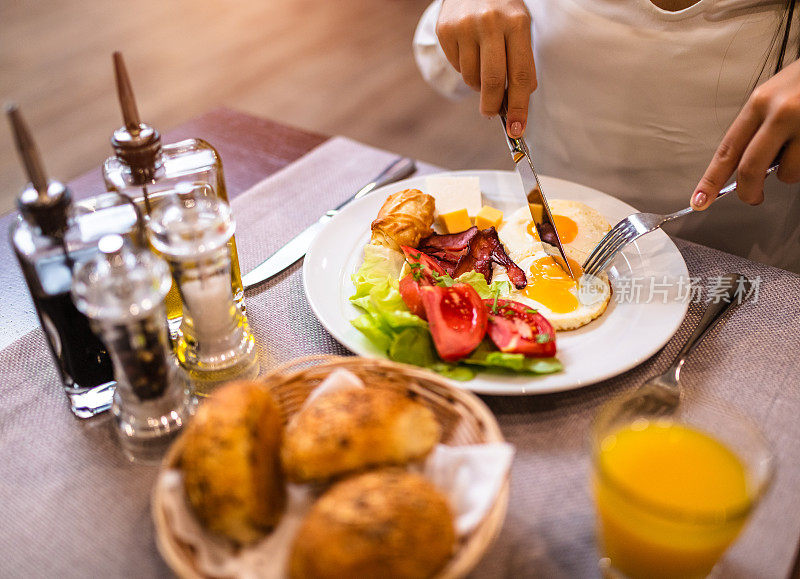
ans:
(769, 121)
(489, 43)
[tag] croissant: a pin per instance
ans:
(404, 219)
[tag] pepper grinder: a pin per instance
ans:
(191, 231)
(122, 292)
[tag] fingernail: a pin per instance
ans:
(516, 129)
(700, 199)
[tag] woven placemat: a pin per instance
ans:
(73, 507)
(750, 362)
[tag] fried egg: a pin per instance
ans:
(565, 303)
(580, 227)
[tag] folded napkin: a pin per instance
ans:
(285, 203)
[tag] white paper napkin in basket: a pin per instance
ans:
(469, 476)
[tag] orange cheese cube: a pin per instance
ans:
(488, 217)
(455, 221)
(536, 210)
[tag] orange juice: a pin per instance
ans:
(670, 499)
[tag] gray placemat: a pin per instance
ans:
(73, 507)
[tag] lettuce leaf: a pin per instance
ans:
(386, 320)
(415, 346)
(503, 361)
(405, 338)
(486, 291)
(380, 264)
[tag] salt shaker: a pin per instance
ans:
(121, 291)
(191, 231)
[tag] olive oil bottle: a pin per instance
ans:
(147, 171)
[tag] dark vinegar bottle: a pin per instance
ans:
(47, 254)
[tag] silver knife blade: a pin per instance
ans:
(285, 256)
(295, 249)
(548, 233)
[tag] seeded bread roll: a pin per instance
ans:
(383, 524)
(349, 430)
(231, 462)
(404, 219)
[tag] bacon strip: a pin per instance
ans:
(472, 250)
(448, 250)
(451, 242)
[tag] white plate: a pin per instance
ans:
(627, 334)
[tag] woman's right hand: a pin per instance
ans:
(489, 43)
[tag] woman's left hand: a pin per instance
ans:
(769, 121)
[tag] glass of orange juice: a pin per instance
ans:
(673, 491)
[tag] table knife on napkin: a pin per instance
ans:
(534, 197)
(400, 168)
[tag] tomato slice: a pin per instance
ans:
(457, 318)
(426, 263)
(424, 271)
(409, 291)
(519, 329)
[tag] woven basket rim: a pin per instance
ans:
(469, 550)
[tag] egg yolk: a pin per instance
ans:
(566, 227)
(550, 285)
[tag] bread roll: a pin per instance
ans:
(231, 462)
(404, 219)
(388, 524)
(349, 430)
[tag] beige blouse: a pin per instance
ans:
(633, 100)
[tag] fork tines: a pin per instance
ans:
(605, 251)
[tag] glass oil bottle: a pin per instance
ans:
(192, 231)
(122, 291)
(146, 170)
(47, 244)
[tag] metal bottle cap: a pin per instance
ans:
(136, 143)
(43, 203)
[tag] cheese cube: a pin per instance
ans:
(488, 217)
(456, 221)
(537, 210)
(454, 193)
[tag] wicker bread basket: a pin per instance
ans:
(464, 418)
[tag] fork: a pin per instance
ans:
(661, 394)
(635, 226)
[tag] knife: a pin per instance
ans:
(534, 194)
(398, 169)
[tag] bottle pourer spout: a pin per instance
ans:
(125, 93)
(28, 151)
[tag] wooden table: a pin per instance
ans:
(252, 149)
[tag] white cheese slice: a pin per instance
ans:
(454, 193)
